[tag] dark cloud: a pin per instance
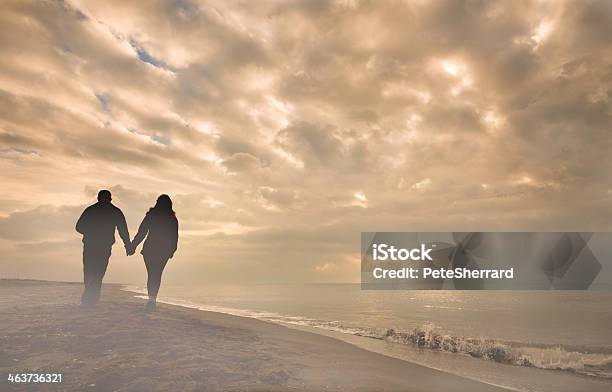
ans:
(241, 162)
(313, 144)
(42, 223)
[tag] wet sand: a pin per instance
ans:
(119, 347)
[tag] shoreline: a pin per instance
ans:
(516, 377)
(118, 346)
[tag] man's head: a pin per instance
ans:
(104, 196)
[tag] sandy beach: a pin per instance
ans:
(119, 347)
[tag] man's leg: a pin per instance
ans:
(103, 253)
(87, 275)
(95, 262)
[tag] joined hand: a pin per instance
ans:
(130, 249)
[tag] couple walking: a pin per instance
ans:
(97, 224)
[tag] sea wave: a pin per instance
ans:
(581, 360)
(512, 353)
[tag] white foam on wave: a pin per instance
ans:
(512, 353)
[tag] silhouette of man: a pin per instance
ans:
(97, 224)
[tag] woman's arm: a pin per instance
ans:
(143, 230)
(174, 235)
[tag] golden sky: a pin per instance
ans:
(283, 129)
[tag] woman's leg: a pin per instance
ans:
(151, 267)
(155, 267)
(160, 269)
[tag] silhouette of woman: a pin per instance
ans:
(160, 227)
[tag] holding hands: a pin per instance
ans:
(130, 249)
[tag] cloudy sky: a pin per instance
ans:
(283, 129)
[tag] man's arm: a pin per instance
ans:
(123, 229)
(81, 225)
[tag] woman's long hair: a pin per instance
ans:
(164, 204)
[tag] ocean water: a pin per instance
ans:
(532, 341)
